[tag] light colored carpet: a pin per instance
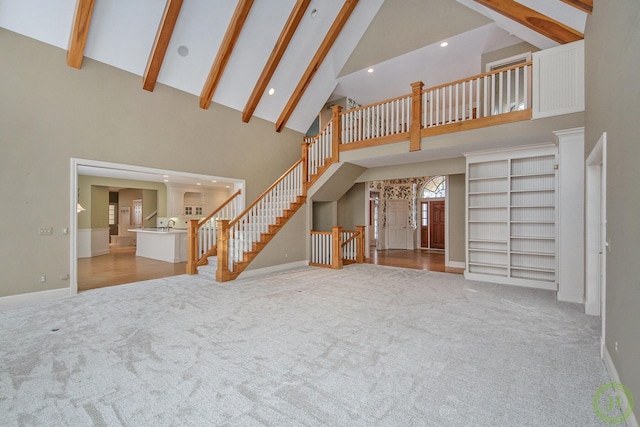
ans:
(363, 346)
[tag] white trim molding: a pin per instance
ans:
(273, 269)
(631, 421)
(31, 297)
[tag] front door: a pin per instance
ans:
(397, 223)
(424, 224)
(436, 224)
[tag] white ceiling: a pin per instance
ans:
(169, 178)
(122, 33)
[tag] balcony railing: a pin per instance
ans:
(496, 97)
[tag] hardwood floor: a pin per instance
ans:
(121, 266)
(420, 259)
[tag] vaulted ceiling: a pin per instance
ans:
(307, 51)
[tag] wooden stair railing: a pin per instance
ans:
(336, 248)
(202, 234)
(243, 238)
(238, 239)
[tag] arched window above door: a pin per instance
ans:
(436, 187)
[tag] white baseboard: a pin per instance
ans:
(272, 269)
(631, 421)
(455, 264)
(31, 297)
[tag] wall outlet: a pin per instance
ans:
(615, 347)
(286, 255)
(43, 278)
(46, 231)
(64, 276)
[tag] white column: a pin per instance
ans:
(570, 203)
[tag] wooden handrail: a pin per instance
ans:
(386, 101)
(315, 137)
(255, 202)
(328, 233)
(226, 202)
(478, 76)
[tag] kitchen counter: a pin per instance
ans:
(163, 244)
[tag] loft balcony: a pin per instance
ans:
(550, 85)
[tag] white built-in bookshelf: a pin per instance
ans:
(511, 216)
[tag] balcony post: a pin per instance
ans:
(223, 274)
(336, 133)
(416, 116)
(192, 247)
(336, 248)
(360, 244)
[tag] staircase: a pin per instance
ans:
(227, 242)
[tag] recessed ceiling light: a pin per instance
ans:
(444, 44)
(314, 13)
(197, 183)
(165, 176)
(272, 91)
(226, 186)
(370, 70)
(166, 180)
(183, 50)
(214, 181)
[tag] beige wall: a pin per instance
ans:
(456, 224)
(612, 53)
(504, 53)
(50, 113)
(98, 211)
(325, 215)
(352, 207)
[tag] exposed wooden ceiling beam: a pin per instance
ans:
(79, 32)
(316, 62)
(274, 59)
(161, 43)
(583, 5)
(536, 21)
(224, 53)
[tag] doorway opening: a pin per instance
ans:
(116, 171)
(596, 234)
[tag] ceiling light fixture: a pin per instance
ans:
(314, 13)
(370, 70)
(444, 44)
(197, 183)
(166, 180)
(214, 181)
(272, 91)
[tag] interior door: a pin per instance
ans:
(424, 224)
(397, 223)
(436, 224)
(137, 213)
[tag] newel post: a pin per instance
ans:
(305, 164)
(336, 133)
(360, 244)
(416, 116)
(336, 248)
(223, 273)
(192, 247)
